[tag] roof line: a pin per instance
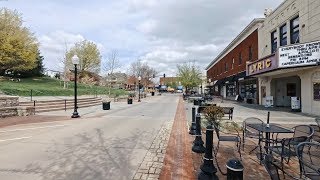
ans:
(250, 25)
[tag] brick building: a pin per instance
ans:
(227, 72)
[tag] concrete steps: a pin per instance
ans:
(56, 105)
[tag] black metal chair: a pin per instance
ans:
(249, 132)
(318, 121)
(273, 169)
(309, 159)
(285, 148)
(316, 135)
(229, 137)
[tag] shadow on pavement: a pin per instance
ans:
(90, 157)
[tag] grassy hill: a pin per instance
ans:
(45, 86)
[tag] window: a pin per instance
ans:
(294, 30)
(316, 91)
(240, 58)
(283, 35)
(232, 63)
(273, 41)
(225, 66)
(250, 53)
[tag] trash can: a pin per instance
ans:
(152, 93)
(129, 100)
(234, 170)
(106, 105)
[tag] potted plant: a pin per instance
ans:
(213, 115)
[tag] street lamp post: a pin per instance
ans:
(75, 61)
(139, 78)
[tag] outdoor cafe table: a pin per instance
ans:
(273, 128)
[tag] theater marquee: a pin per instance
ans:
(299, 55)
(262, 65)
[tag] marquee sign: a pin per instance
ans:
(262, 65)
(299, 55)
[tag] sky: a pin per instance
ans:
(162, 33)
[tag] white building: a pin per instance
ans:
(289, 56)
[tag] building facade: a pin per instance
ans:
(227, 72)
(288, 68)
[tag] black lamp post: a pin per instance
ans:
(75, 61)
(139, 78)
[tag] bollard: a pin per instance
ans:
(208, 171)
(65, 105)
(193, 127)
(234, 170)
(198, 143)
(31, 95)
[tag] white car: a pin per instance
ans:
(179, 91)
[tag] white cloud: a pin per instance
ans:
(163, 33)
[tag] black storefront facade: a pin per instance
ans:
(237, 87)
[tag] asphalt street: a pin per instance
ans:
(100, 145)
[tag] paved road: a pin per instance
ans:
(100, 145)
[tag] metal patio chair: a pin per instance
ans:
(316, 135)
(318, 121)
(273, 169)
(249, 132)
(309, 159)
(228, 137)
(286, 147)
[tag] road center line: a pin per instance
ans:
(24, 129)
(15, 139)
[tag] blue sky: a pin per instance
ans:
(162, 33)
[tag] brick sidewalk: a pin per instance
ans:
(178, 160)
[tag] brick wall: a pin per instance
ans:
(218, 70)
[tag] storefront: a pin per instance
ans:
(290, 76)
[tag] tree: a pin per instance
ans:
(18, 47)
(89, 55)
(109, 66)
(37, 71)
(189, 75)
(143, 70)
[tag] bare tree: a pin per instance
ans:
(66, 68)
(109, 66)
(143, 70)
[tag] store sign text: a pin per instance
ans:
(299, 55)
(260, 66)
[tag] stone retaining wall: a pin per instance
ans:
(9, 101)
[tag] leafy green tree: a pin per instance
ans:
(89, 55)
(37, 71)
(189, 75)
(18, 47)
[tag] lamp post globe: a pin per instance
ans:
(139, 78)
(75, 61)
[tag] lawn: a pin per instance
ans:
(45, 86)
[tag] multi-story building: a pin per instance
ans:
(289, 56)
(227, 72)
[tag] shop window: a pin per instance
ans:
(291, 90)
(240, 58)
(283, 35)
(274, 41)
(316, 91)
(231, 90)
(250, 53)
(294, 30)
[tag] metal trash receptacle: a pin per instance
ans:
(105, 105)
(152, 93)
(234, 170)
(129, 100)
